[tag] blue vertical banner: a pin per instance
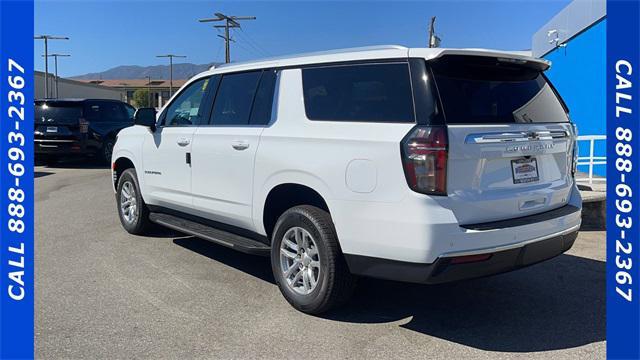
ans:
(623, 183)
(16, 180)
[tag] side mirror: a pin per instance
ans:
(145, 117)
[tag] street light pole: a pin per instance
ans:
(149, 91)
(46, 39)
(229, 22)
(171, 56)
(55, 61)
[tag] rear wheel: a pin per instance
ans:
(307, 262)
(133, 212)
(106, 151)
(49, 160)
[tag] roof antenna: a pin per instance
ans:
(434, 40)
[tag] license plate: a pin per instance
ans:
(524, 170)
(52, 129)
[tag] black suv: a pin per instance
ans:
(79, 127)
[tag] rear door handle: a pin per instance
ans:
(240, 145)
(183, 141)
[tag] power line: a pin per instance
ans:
(253, 43)
(249, 50)
(229, 22)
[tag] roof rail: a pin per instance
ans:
(315, 53)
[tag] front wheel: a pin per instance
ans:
(132, 210)
(307, 262)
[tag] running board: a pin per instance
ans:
(221, 237)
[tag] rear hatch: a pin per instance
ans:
(509, 137)
(58, 120)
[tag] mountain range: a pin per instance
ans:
(180, 71)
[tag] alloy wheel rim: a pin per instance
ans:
(300, 260)
(128, 202)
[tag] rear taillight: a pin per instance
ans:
(84, 126)
(575, 152)
(424, 156)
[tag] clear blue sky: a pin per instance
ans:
(106, 34)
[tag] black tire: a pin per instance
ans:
(335, 283)
(106, 150)
(139, 224)
(50, 160)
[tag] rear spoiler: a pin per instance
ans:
(513, 57)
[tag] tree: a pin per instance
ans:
(141, 98)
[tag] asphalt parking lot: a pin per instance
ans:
(102, 293)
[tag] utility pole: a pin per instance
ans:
(229, 22)
(46, 39)
(55, 61)
(171, 56)
(149, 91)
(434, 40)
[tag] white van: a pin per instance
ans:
(420, 165)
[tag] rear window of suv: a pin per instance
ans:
(362, 92)
(486, 90)
(58, 110)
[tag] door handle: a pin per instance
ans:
(183, 141)
(240, 145)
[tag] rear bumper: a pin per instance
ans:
(421, 229)
(460, 266)
(61, 147)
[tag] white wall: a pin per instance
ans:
(75, 89)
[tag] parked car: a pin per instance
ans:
(419, 165)
(79, 127)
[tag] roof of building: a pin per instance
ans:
(136, 83)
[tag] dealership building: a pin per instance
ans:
(68, 88)
(159, 90)
(575, 42)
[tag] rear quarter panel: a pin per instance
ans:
(342, 161)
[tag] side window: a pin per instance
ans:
(92, 111)
(186, 109)
(366, 92)
(131, 111)
(234, 98)
(114, 112)
(263, 102)
(105, 111)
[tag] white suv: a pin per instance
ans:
(420, 165)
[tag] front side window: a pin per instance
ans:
(485, 90)
(186, 109)
(234, 98)
(366, 92)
